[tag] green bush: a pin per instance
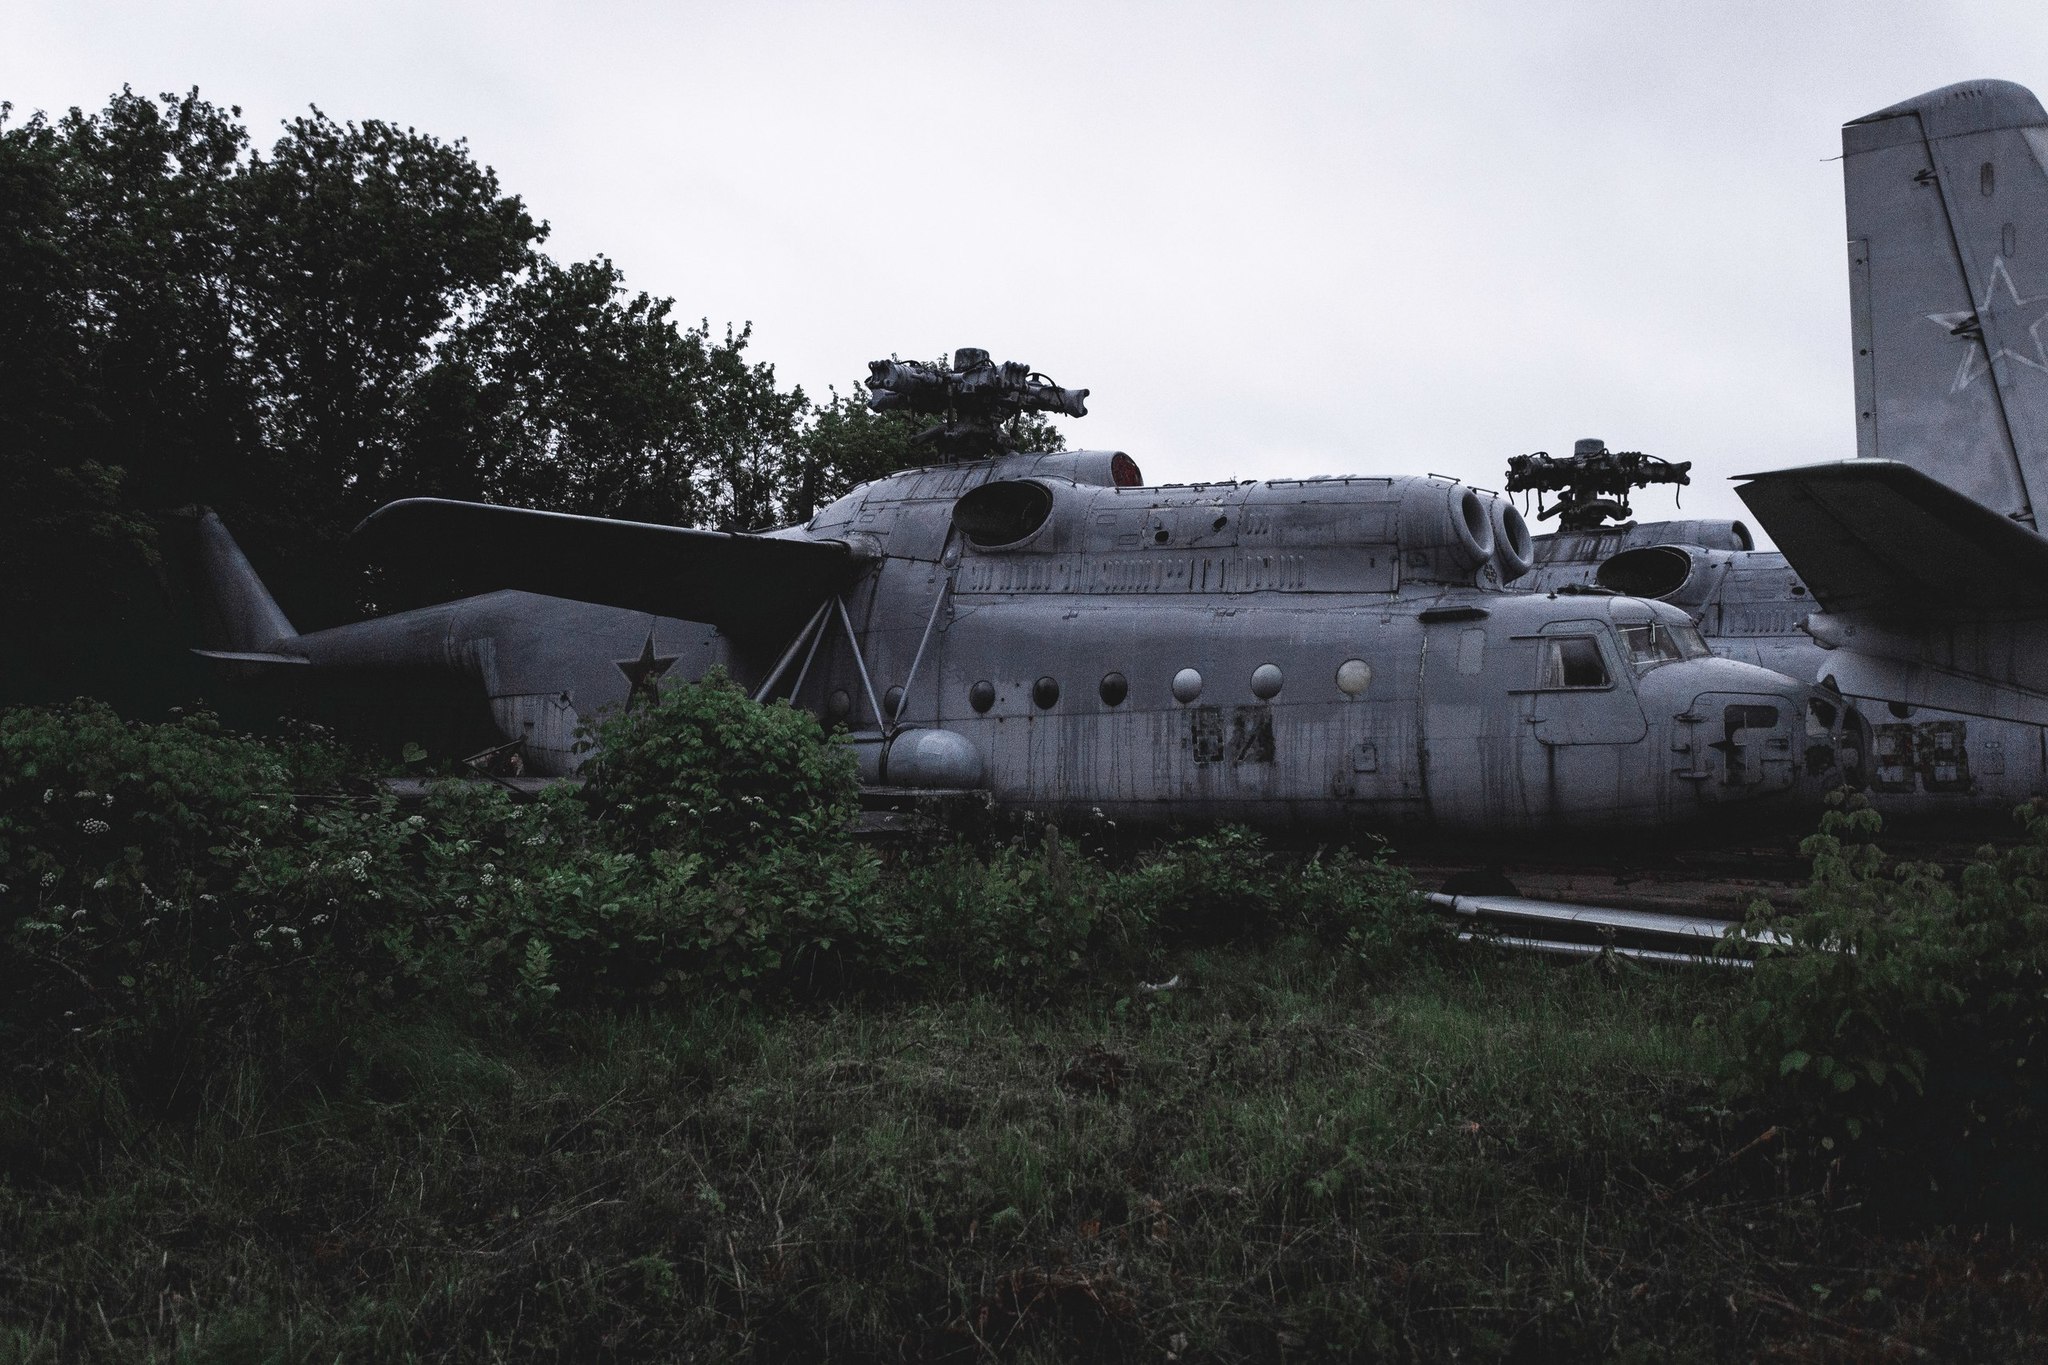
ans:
(172, 884)
(1907, 1015)
(1205, 889)
(498, 907)
(708, 769)
(1366, 907)
(122, 853)
(742, 814)
(1023, 918)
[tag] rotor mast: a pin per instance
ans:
(977, 401)
(1593, 483)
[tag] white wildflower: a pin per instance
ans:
(87, 795)
(95, 826)
(49, 879)
(416, 820)
(79, 913)
(101, 884)
(320, 918)
(107, 800)
(49, 795)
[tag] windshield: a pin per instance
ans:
(1661, 642)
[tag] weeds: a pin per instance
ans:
(1902, 1019)
(588, 1079)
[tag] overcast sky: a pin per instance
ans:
(1274, 239)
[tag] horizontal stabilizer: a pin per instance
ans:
(740, 583)
(244, 657)
(1884, 538)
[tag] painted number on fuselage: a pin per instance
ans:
(1931, 755)
(1249, 739)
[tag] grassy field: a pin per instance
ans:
(1494, 1158)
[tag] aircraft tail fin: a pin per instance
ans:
(1947, 197)
(248, 619)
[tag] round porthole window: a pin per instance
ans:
(839, 705)
(981, 696)
(1353, 677)
(1266, 681)
(892, 703)
(1044, 693)
(1113, 689)
(1187, 685)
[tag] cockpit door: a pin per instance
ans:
(1583, 692)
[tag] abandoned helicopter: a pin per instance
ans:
(1912, 580)
(1335, 653)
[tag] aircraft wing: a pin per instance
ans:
(740, 583)
(1882, 537)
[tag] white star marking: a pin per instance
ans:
(1975, 359)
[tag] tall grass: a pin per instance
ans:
(1279, 1161)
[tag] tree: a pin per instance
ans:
(296, 336)
(563, 393)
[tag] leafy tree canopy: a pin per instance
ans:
(296, 336)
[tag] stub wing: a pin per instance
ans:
(743, 584)
(1883, 538)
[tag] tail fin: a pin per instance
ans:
(1948, 268)
(252, 627)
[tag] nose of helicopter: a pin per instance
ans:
(1745, 733)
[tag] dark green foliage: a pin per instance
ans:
(1506, 1162)
(562, 392)
(172, 882)
(1368, 908)
(295, 336)
(1207, 888)
(704, 769)
(1025, 918)
(564, 1079)
(1905, 1014)
(123, 907)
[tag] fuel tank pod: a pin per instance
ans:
(927, 758)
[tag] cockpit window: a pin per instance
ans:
(1689, 641)
(1571, 661)
(1659, 642)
